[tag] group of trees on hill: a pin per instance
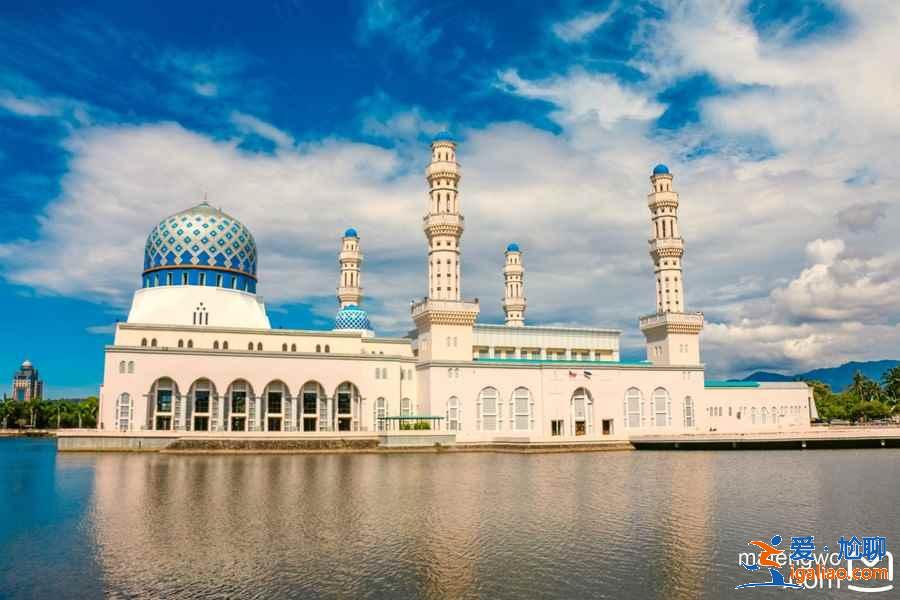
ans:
(864, 400)
(48, 414)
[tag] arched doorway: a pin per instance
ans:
(237, 405)
(202, 406)
(312, 403)
(582, 412)
(276, 406)
(163, 395)
(346, 407)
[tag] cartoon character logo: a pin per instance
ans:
(767, 551)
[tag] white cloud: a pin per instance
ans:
(580, 95)
(108, 329)
(577, 28)
(250, 124)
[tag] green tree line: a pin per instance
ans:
(48, 414)
(865, 399)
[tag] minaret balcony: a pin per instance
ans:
(442, 168)
(350, 255)
(673, 322)
(667, 246)
(450, 221)
(351, 290)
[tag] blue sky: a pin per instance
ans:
(779, 120)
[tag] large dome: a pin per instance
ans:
(201, 246)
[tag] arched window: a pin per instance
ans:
(327, 348)
(190, 343)
(144, 342)
(284, 347)
(293, 347)
(488, 409)
(216, 345)
(661, 407)
(405, 407)
(689, 411)
(582, 412)
(131, 366)
(121, 366)
(347, 406)
(453, 414)
(764, 414)
(153, 343)
(276, 406)
(181, 343)
(225, 345)
(318, 347)
(380, 413)
(250, 346)
(523, 417)
(123, 412)
(634, 404)
(259, 346)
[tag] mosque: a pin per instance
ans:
(198, 355)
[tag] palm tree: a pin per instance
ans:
(891, 381)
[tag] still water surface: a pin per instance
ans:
(594, 525)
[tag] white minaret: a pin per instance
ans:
(443, 319)
(443, 223)
(514, 297)
(672, 334)
(349, 289)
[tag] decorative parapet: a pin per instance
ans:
(445, 312)
(673, 322)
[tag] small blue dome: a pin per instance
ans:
(351, 233)
(660, 169)
(443, 136)
(514, 247)
(352, 317)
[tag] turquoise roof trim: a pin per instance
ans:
(731, 384)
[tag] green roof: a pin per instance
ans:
(731, 384)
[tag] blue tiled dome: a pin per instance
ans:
(352, 317)
(202, 239)
(443, 136)
(660, 169)
(514, 247)
(351, 233)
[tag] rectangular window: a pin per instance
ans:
(556, 427)
(164, 401)
(343, 403)
(309, 403)
(218, 281)
(607, 426)
(202, 278)
(201, 401)
(273, 402)
(238, 401)
(489, 413)
(168, 279)
(184, 278)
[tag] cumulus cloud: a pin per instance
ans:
(862, 216)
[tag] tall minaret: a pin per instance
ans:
(443, 223)
(666, 245)
(349, 290)
(443, 319)
(514, 298)
(672, 334)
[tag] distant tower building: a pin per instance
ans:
(349, 291)
(514, 298)
(672, 334)
(443, 319)
(27, 384)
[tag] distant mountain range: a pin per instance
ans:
(837, 377)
